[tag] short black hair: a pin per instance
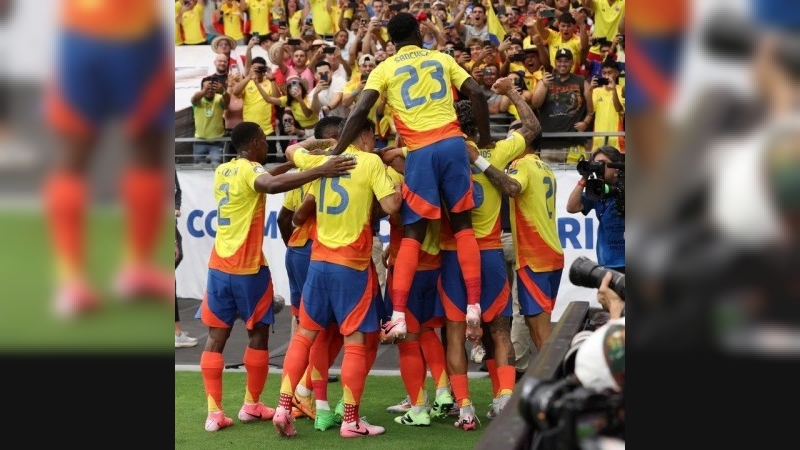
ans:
(322, 63)
(328, 127)
(567, 19)
(609, 62)
(257, 60)
(402, 27)
(466, 120)
(612, 152)
(243, 134)
(367, 125)
(203, 81)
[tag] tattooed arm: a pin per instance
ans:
(497, 177)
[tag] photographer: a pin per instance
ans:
(610, 214)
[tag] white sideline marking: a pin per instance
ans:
(376, 372)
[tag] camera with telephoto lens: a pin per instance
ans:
(596, 186)
(565, 414)
(586, 273)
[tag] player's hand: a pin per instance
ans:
(486, 144)
(337, 166)
(472, 151)
(503, 86)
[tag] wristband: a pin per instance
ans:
(582, 183)
(481, 163)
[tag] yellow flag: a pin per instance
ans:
(495, 27)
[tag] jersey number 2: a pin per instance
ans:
(413, 78)
(223, 221)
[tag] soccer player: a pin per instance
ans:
(418, 85)
(421, 344)
(495, 292)
(340, 285)
(239, 281)
(112, 64)
(298, 256)
(539, 263)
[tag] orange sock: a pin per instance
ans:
(294, 364)
(319, 363)
(66, 200)
(460, 389)
(507, 377)
(433, 354)
(372, 341)
(469, 257)
(211, 365)
(354, 376)
(412, 371)
(491, 367)
(405, 268)
(256, 363)
(142, 192)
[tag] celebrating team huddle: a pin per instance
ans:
(441, 188)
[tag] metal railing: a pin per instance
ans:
(186, 161)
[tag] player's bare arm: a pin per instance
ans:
(391, 203)
(497, 177)
(353, 125)
(480, 107)
(306, 210)
(334, 167)
(530, 124)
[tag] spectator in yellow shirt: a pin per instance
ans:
(609, 106)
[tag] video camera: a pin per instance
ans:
(586, 273)
(596, 186)
(564, 413)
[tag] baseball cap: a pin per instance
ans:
(600, 360)
(363, 59)
(564, 53)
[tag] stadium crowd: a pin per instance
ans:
(336, 79)
(290, 64)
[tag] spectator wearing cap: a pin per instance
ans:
(564, 101)
(208, 106)
(565, 38)
(232, 16)
(533, 72)
(190, 20)
(609, 106)
(226, 45)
